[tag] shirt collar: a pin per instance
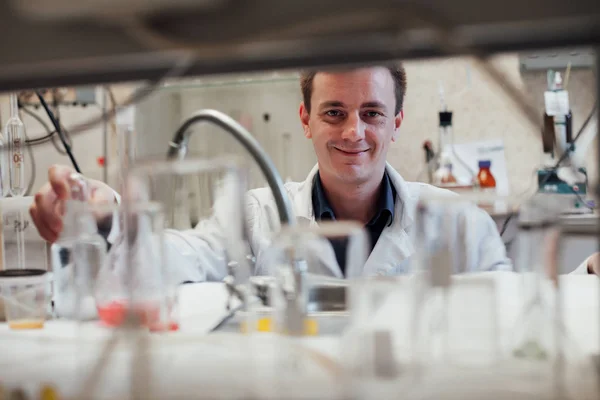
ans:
(385, 204)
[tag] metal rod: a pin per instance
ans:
(105, 136)
(180, 142)
(598, 163)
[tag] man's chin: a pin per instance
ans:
(352, 173)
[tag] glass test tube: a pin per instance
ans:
(15, 136)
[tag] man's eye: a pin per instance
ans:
(333, 113)
(373, 114)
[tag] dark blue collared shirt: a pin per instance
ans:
(383, 217)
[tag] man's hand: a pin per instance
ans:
(593, 264)
(47, 210)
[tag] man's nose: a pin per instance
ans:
(354, 128)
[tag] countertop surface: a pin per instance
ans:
(484, 315)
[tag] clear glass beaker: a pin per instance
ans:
(307, 296)
(458, 256)
(24, 293)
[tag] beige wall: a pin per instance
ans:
(481, 111)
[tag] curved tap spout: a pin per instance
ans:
(178, 149)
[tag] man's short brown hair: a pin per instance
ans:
(398, 75)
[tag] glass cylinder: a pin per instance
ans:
(15, 138)
(456, 316)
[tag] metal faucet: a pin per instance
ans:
(178, 150)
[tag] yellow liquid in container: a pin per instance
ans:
(26, 324)
(311, 326)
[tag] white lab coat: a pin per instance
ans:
(198, 254)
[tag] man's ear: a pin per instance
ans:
(304, 117)
(397, 122)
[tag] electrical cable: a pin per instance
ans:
(41, 138)
(50, 136)
(58, 130)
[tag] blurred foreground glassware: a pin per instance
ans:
(455, 316)
(132, 279)
(307, 297)
(25, 297)
(221, 204)
(80, 227)
(540, 345)
(22, 245)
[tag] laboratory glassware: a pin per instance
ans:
(4, 156)
(543, 354)
(25, 294)
(455, 316)
(15, 139)
(78, 223)
(133, 278)
(308, 296)
(222, 202)
(23, 246)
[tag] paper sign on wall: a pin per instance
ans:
(473, 152)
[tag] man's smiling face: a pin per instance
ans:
(352, 122)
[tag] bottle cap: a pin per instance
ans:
(445, 118)
(485, 163)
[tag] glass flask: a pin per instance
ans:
(541, 350)
(160, 183)
(134, 279)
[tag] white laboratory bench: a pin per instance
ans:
(575, 248)
(192, 363)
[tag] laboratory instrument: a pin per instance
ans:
(24, 293)
(73, 297)
(14, 133)
(560, 180)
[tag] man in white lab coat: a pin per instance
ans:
(352, 117)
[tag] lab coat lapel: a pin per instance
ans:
(303, 209)
(394, 247)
